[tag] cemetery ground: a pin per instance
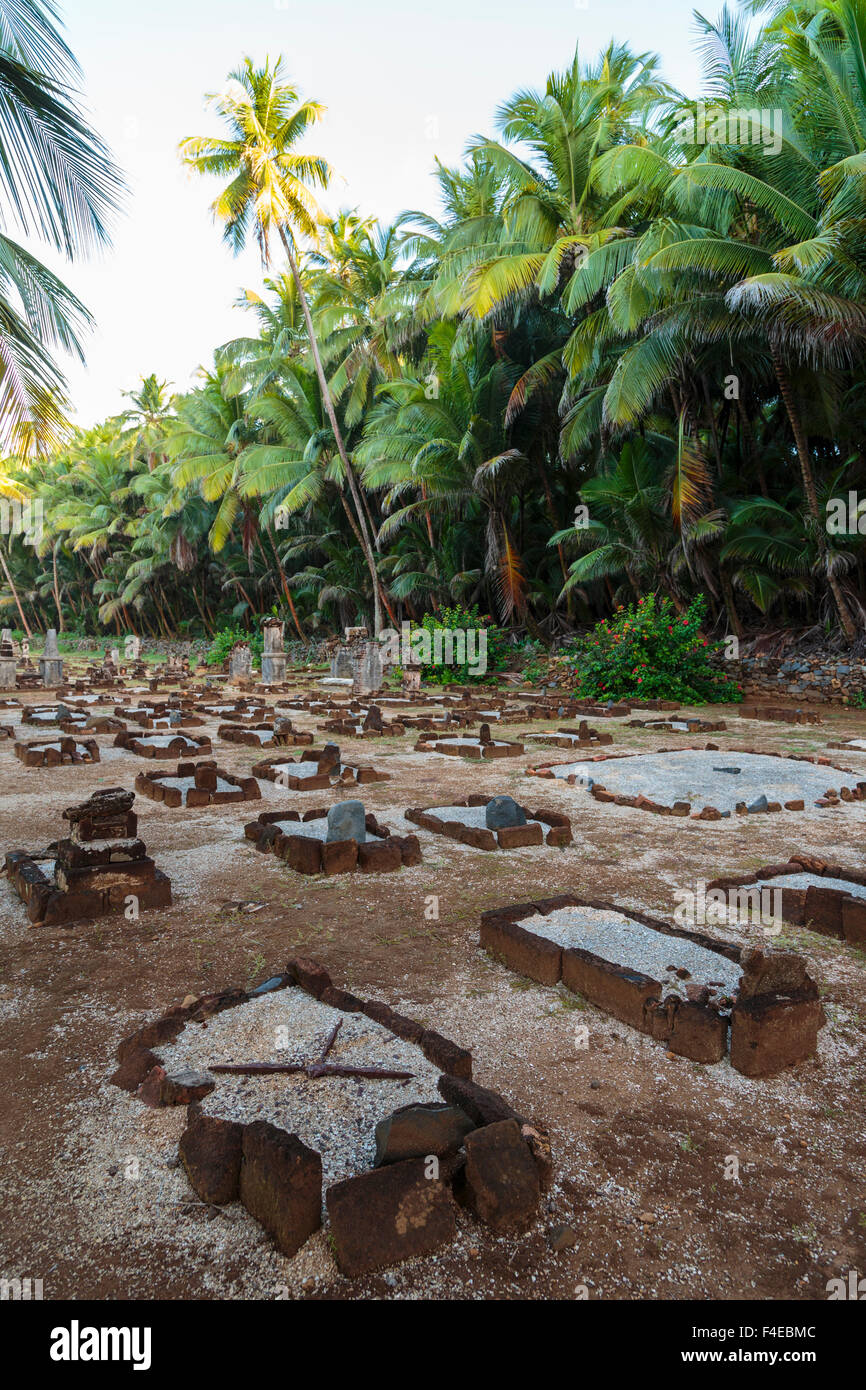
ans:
(640, 1205)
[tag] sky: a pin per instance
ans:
(402, 83)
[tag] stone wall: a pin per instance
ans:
(828, 679)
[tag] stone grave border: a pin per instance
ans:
(150, 784)
(709, 813)
(245, 734)
(768, 1032)
(828, 911)
(508, 837)
(364, 1210)
(564, 738)
(132, 743)
(348, 728)
(665, 726)
(305, 855)
(779, 714)
(34, 754)
(267, 769)
(29, 713)
(486, 752)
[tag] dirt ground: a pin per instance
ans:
(93, 1202)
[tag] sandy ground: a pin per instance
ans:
(644, 1143)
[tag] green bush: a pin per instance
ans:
(223, 641)
(453, 619)
(650, 652)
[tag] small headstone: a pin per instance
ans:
(484, 734)
(329, 758)
(346, 821)
(241, 660)
(374, 719)
(503, 811)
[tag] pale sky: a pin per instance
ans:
(402, 82)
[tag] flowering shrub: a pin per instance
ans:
(650, 652)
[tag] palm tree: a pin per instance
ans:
(549, 209)
(151, 407)
(58, 183)
(271, 192)
(448, 451)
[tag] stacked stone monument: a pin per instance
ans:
(102, 868)
(50, 662)
(7, 661)
(273, 656)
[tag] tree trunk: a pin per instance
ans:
(366, 543)
(284, 582)
(730, 603)
(11, 583)
(56, 588)
(811, 495)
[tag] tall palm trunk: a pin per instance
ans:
(811, 495)
(56, 589)
(366, 543)
(11, 583)
(284, 582)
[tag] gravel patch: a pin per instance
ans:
(842, 885)
(691, 775)
(623, 941)
(471, 742)
(474, 816)
(335, 1115)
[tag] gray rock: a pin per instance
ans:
(503, 811)
(562, 1237)
(268, 986)
(759, 804)
(346, 822)
(416, 1131)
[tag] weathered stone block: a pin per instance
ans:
(528, 954)
(388, 1215)
(210, 1150)
(769, 1034)
(281, 1184)
(501, 1179)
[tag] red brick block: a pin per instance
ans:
(618, 991)
(516, 836)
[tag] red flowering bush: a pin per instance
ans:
(651, 652)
